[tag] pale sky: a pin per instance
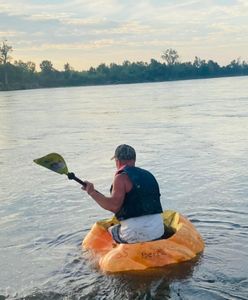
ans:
(87, 33)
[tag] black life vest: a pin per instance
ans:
(144, 197)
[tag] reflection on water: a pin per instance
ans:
(152, 284)
(191, 134)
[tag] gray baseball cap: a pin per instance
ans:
(124, 152)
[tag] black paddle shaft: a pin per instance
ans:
(72, 176)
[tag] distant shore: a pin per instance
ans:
(17, 87)
(21, 75)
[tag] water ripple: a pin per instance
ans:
(191, 134)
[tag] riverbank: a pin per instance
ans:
(21, 76)
(33, 87)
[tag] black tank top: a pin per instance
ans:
(144, 197)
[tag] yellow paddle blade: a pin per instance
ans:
(54, 162)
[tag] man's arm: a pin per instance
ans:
(115, 201)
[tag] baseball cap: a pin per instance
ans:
(124, 152)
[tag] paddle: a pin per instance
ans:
(56, 163)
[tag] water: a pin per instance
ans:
(193, 135)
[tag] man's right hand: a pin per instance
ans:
(89, 188)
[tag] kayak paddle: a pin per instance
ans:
(56, 163)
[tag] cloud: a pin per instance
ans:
(127, 28)
(141, 27)
(82, 22)
(47, 16)
(75, 46)
(9, 33)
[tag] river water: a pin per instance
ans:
(192, 135)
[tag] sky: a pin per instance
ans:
(88, 33)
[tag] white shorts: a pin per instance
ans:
(140, 229)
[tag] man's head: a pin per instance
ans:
(125, 153)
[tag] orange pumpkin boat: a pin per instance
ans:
(183, 243)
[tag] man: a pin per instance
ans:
(134, 199)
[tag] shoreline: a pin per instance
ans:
(118, 83)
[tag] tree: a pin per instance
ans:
(5, 49)
(49, 77)
(103, 69)
(170, 56)
(156, 70)
(126, 63)
(213, 67)
(198, 62)
(31, 66)
(28, 67)
(68, 71)
(24, 73)
(68, 68)
(46, 66)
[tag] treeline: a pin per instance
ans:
(23, 75)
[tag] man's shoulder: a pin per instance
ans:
(122, 181)
(121, 176)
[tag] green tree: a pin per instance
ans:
(68, 71)
(102, 69)
(67, 67)
(5, 49)
(25, 66)
(198, 62)
(213, 67)
(157, 71)
(46, 66)
(49, 77)
(170, 56)
(24, 74)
